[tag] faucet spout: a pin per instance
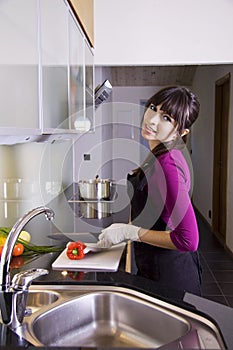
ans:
(13, 295)
(5, 283)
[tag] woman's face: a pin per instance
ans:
(157, 126)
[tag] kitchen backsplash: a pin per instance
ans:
(32, 175)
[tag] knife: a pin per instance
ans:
(88, 237)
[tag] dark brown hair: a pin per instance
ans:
(183, 106)
(179, 102)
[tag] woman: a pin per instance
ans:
(163, 223)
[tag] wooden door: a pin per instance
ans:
(221, 136)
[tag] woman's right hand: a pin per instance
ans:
(117, 233)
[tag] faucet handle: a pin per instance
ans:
(22, 280)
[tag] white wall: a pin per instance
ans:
(154, 32)
(127, 115)
(95, 143)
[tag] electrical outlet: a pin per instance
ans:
(87, 157)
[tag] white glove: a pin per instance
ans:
(117, 233)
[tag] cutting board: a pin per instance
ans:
(107, 260)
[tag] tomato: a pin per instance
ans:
(17, 262)
(18, 249)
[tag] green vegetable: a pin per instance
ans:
(39, 249)
(4, 231)
(29, 248)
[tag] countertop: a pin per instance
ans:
(220, 314)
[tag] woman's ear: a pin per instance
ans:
(184, 132)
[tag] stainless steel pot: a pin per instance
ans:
(96, 189)
(94, 210)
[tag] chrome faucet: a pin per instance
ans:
(13, 295)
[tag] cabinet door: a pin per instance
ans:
(76, 66)
(19, 101)
(89, 85)
(54, 65)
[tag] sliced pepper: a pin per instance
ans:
(75, 250)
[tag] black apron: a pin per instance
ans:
(170, 268)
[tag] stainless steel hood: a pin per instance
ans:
(102, 92)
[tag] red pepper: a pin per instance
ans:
(75, 250)
(75, 275)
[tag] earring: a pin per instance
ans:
(185, 132)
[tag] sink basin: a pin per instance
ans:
(108, 319)
(37, 298)
(104, 316)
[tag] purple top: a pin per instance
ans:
(172, 178)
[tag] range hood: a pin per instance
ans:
(102, 92)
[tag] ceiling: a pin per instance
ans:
(152, 76)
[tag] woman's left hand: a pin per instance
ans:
(117, 233)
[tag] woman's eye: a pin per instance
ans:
(167, 118)
(153, 107)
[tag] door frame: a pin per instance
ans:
(220, 164)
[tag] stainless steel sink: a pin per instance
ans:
(38, 298)
(103, 316)
(108, 319)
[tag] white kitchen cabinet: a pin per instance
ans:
(43, 68)
(19, 64)
(89, 84)
(76, 71)
(81, 103)
(54, 45)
